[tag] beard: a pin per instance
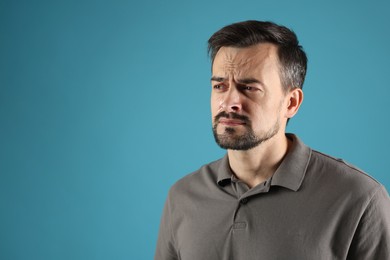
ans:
(230, 139)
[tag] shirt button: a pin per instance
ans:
(244, 200)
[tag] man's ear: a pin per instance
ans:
(295, 97)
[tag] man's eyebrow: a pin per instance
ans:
(243, 81)
(249, 81)
(219, 79)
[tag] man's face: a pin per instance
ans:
(247, 96)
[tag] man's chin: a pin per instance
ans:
(239, 143)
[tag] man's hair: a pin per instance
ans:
(292, 58)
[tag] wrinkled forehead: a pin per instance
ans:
(233, 59)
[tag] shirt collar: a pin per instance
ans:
(290, 172)
(224, 172)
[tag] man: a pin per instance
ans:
(271, 196)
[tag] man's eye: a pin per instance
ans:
(248, 88)
(218, 87)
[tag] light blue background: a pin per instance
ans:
(105, 104)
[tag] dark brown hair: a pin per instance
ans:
(291, 56)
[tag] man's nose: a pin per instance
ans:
(232, 101)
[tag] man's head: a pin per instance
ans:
(258, 70)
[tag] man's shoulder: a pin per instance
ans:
(203, 177)
(340, 172)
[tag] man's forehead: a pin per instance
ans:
(232, 58)
(261, 50)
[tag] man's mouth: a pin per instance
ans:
(231, 122)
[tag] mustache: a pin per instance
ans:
(232, 115)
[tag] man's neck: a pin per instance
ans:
(258, 164)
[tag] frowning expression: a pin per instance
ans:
(247, 96)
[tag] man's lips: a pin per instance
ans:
(231, 122)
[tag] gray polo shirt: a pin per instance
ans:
(314, 207)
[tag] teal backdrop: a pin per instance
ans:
(105, 104)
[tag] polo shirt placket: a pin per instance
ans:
(242, 225)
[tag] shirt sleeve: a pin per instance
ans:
(165, 249)
(372, 237)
